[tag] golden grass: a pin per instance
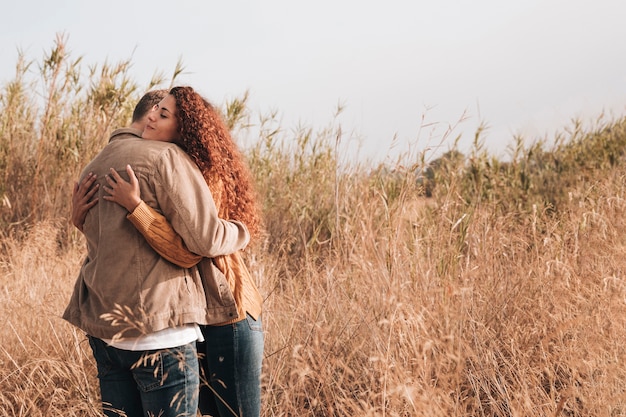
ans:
(47, 368)
(401, 319)
(418, 317)
(502, 295)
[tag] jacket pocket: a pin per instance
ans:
(216, 286)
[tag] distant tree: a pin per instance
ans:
(449, 161)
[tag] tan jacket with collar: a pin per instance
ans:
(124, 286)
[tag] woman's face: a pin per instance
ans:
(162, 124)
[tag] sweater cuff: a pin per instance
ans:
(141, 217)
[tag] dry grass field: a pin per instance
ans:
(501, 294)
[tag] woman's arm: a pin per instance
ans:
(160, 234)
(83, 199)
(124, 193)
(157, 231)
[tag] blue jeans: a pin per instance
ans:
(231, 359)
(160, 382)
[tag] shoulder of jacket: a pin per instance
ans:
(171, 162)
(173, 152)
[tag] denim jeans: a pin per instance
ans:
(231, 359)
(160, 382)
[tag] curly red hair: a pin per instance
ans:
(207, 140)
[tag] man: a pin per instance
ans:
(82, 198)
(139, 310)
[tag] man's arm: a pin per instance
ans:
(186, 201)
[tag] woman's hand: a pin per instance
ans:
(82, 199)
(124, 193)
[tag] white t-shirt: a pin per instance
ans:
(163, 339)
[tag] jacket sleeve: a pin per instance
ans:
(160, 234)
(186, 201)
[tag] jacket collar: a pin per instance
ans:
(124, 132)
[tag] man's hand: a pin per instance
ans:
(124, 193)
(82, 199)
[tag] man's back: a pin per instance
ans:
(113, 243)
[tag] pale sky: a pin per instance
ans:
(525, 67)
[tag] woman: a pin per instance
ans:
(233, 350)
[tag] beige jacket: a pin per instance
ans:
(232, 268)
(124, 286)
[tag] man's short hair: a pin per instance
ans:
(147, 102)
